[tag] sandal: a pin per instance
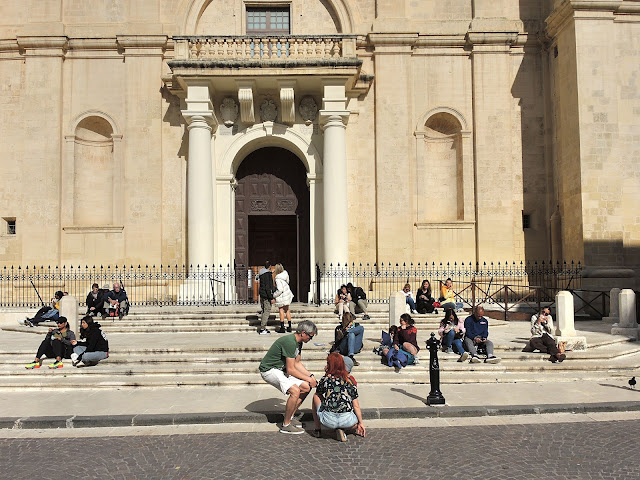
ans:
(341, 436)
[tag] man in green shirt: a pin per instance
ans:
(282, 368)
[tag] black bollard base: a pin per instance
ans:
(435, 399)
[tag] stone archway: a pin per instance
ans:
(272, 215)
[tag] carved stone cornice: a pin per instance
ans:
(494, 31)
(573, 8)
(142, 45)
(43, 46)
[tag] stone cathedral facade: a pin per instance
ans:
(310, 131)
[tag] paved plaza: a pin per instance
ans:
(522, 448)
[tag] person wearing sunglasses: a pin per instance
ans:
(282, 368)
(58, 344)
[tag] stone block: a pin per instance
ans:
(69, 309)
(565, 314)
(627, 305)
(397, 303)
(614, 306)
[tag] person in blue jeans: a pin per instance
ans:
(45, 313)
(94, 349)
(451, 333)
(351, 337)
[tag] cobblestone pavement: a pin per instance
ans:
(588, 450)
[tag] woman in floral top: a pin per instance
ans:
(335, 403)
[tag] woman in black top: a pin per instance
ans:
(424, 298)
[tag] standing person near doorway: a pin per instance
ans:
(266, 296)
(283, 296)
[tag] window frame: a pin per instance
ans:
(267, 7)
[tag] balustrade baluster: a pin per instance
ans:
(219, 47)
(193, 49)
(326, 43)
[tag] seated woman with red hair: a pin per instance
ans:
(335, 403)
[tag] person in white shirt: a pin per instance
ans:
(409, 298)
(542, 339)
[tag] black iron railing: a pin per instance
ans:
(474, 283)
(507, 283)
(145, 284)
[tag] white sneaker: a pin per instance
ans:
(463, 357)
(74, 359)
(78, 364)
(492, 359)
(22, 322)
(264, 332)
(475, 359)
(415, 312)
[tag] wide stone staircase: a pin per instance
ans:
(214, 346)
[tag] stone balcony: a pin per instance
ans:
(265, 56)
(289, 48)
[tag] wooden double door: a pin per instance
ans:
(272, 218)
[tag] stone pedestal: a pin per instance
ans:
(565, 331)
(614, 310)
(628, 324)
(69, 309)
(397, 303)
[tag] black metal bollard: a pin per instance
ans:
(435, 395)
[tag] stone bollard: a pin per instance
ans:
(397, 303)
(69, 309)
(565, 319)
(628, 324)
(435, 395)
(614, 306)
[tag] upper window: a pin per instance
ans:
(268, 21)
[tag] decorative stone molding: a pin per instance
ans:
(245, 97)
(287, 97)
(200, 120)
(43, 46)
(308, 109)
(259, 205)
(268, 110)
(142, 45)
(285, 205)
(93, 229)
(228, 111)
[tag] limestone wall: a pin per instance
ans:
(471, 121)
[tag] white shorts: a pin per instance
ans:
(280, 380)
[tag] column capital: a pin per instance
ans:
(333, 116)
(204, 119)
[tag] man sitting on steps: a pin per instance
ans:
(358, 303)
(282, 367)
(476, 333)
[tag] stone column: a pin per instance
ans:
(628, 324)
(201, 123)
(334, 184)
(334, 118)
(565, 330)
(199, 190)
(614, 302)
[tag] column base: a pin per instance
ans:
(627, 331)
(573, 343)
(196, 292)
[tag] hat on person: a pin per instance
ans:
(106, 286)
(62, 320)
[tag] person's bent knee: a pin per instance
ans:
(304, 388)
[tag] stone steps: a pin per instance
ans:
(482, 373)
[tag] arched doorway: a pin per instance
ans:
(272, 215)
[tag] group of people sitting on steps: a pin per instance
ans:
(100, 301)
(60, 343)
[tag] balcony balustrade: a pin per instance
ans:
(265, 48)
